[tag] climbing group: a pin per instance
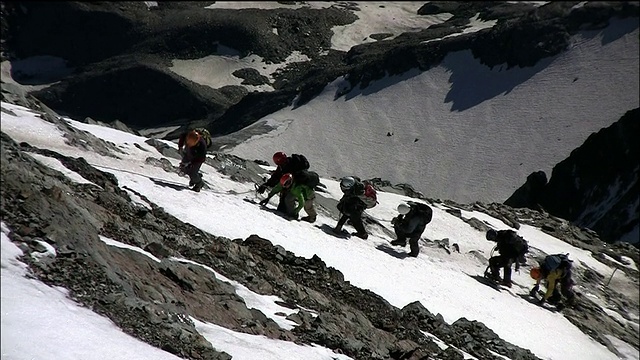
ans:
(296, 186)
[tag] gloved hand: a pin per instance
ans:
(261, 189)
(264, 202)
(396, 220)
(534, 291)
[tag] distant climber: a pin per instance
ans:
(194, 154)
(410, 224)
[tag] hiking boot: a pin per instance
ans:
(399, 243)
(493, 277)
(361, 235)
(506, 283)
(198, 186)
(413, 254)
(308, 219)
(554, 299)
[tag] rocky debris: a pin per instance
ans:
(251, 77)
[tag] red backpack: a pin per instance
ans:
(370, 197)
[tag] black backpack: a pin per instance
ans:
(299, 162)
(520, 245)
(555, 261)
(513, 243)
(423, 209)
(308, 178)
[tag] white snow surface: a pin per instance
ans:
(461, 130)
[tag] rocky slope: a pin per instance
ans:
(153, 300)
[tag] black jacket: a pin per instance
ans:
(413, 223)
(351, 204)
(195, 154)
(510, 244)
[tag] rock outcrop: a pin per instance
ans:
(596, 187)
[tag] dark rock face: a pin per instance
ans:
(251, 77)
(124, 91)
(596, 186)
(528, 194)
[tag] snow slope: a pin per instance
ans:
(441, 282)
(461, 130)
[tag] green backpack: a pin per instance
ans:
(206, 135)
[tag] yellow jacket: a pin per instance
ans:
(551, 282)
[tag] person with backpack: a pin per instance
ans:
(302, 188)
(192, 158)
(204, 133)
(512, 249)
(556, 270)
(352, 204)
(410, 223)
(284, 165)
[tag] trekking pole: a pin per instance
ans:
(112, 168)
(611, 277)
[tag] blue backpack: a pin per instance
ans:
(552, 262)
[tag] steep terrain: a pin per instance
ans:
(154, 299)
